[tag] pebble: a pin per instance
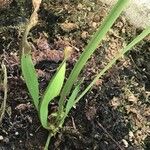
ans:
(16, 133)
(31, 134)
(137, 12)
(1, 137)
(131, 135)
(126, 144)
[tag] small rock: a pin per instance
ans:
(84, 35)
(80, 6)
(137, 12)
(16, 133)
(68, 26)
(1, 137)
(94, 24)
(132, 98)
(131, 136)
(31, 134)
(126, 144)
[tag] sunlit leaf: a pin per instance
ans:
(70, 103)
(30, 77)
(118, 55)
(52, 91)
(71, 100)
(91, 47)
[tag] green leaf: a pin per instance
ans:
(30, 77)
(52, 91)
(118, 55)
(71, 100)
(91, 47)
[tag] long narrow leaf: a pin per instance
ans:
(30, 77)
(91, 47)
(70, 102)
(116, 57)
(27, 66)
(69, 105)
(52, 91)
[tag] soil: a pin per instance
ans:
(114, 115)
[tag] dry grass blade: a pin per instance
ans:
(27, 65)
(36, 4)
(25, 46)
(3, 106)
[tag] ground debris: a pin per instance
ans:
(5, 3)
(123, 115)
(47, 55)
(22, 107)
(68, 26)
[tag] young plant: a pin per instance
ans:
(56, 87)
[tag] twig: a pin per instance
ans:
(3, 106)
(100, 125)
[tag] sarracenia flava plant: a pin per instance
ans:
(57, 87)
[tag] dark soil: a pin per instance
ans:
(114, 115)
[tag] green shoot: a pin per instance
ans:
(116, 57)
(30, 77)
(52, 91)
(27, 66)
(90, 48)
(70, 103)
(55, 87)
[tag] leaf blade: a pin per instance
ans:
(71, 100)
(30, 78)
(52, 91)
(91, 47)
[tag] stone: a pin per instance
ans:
(1, 137)
(137, 12)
